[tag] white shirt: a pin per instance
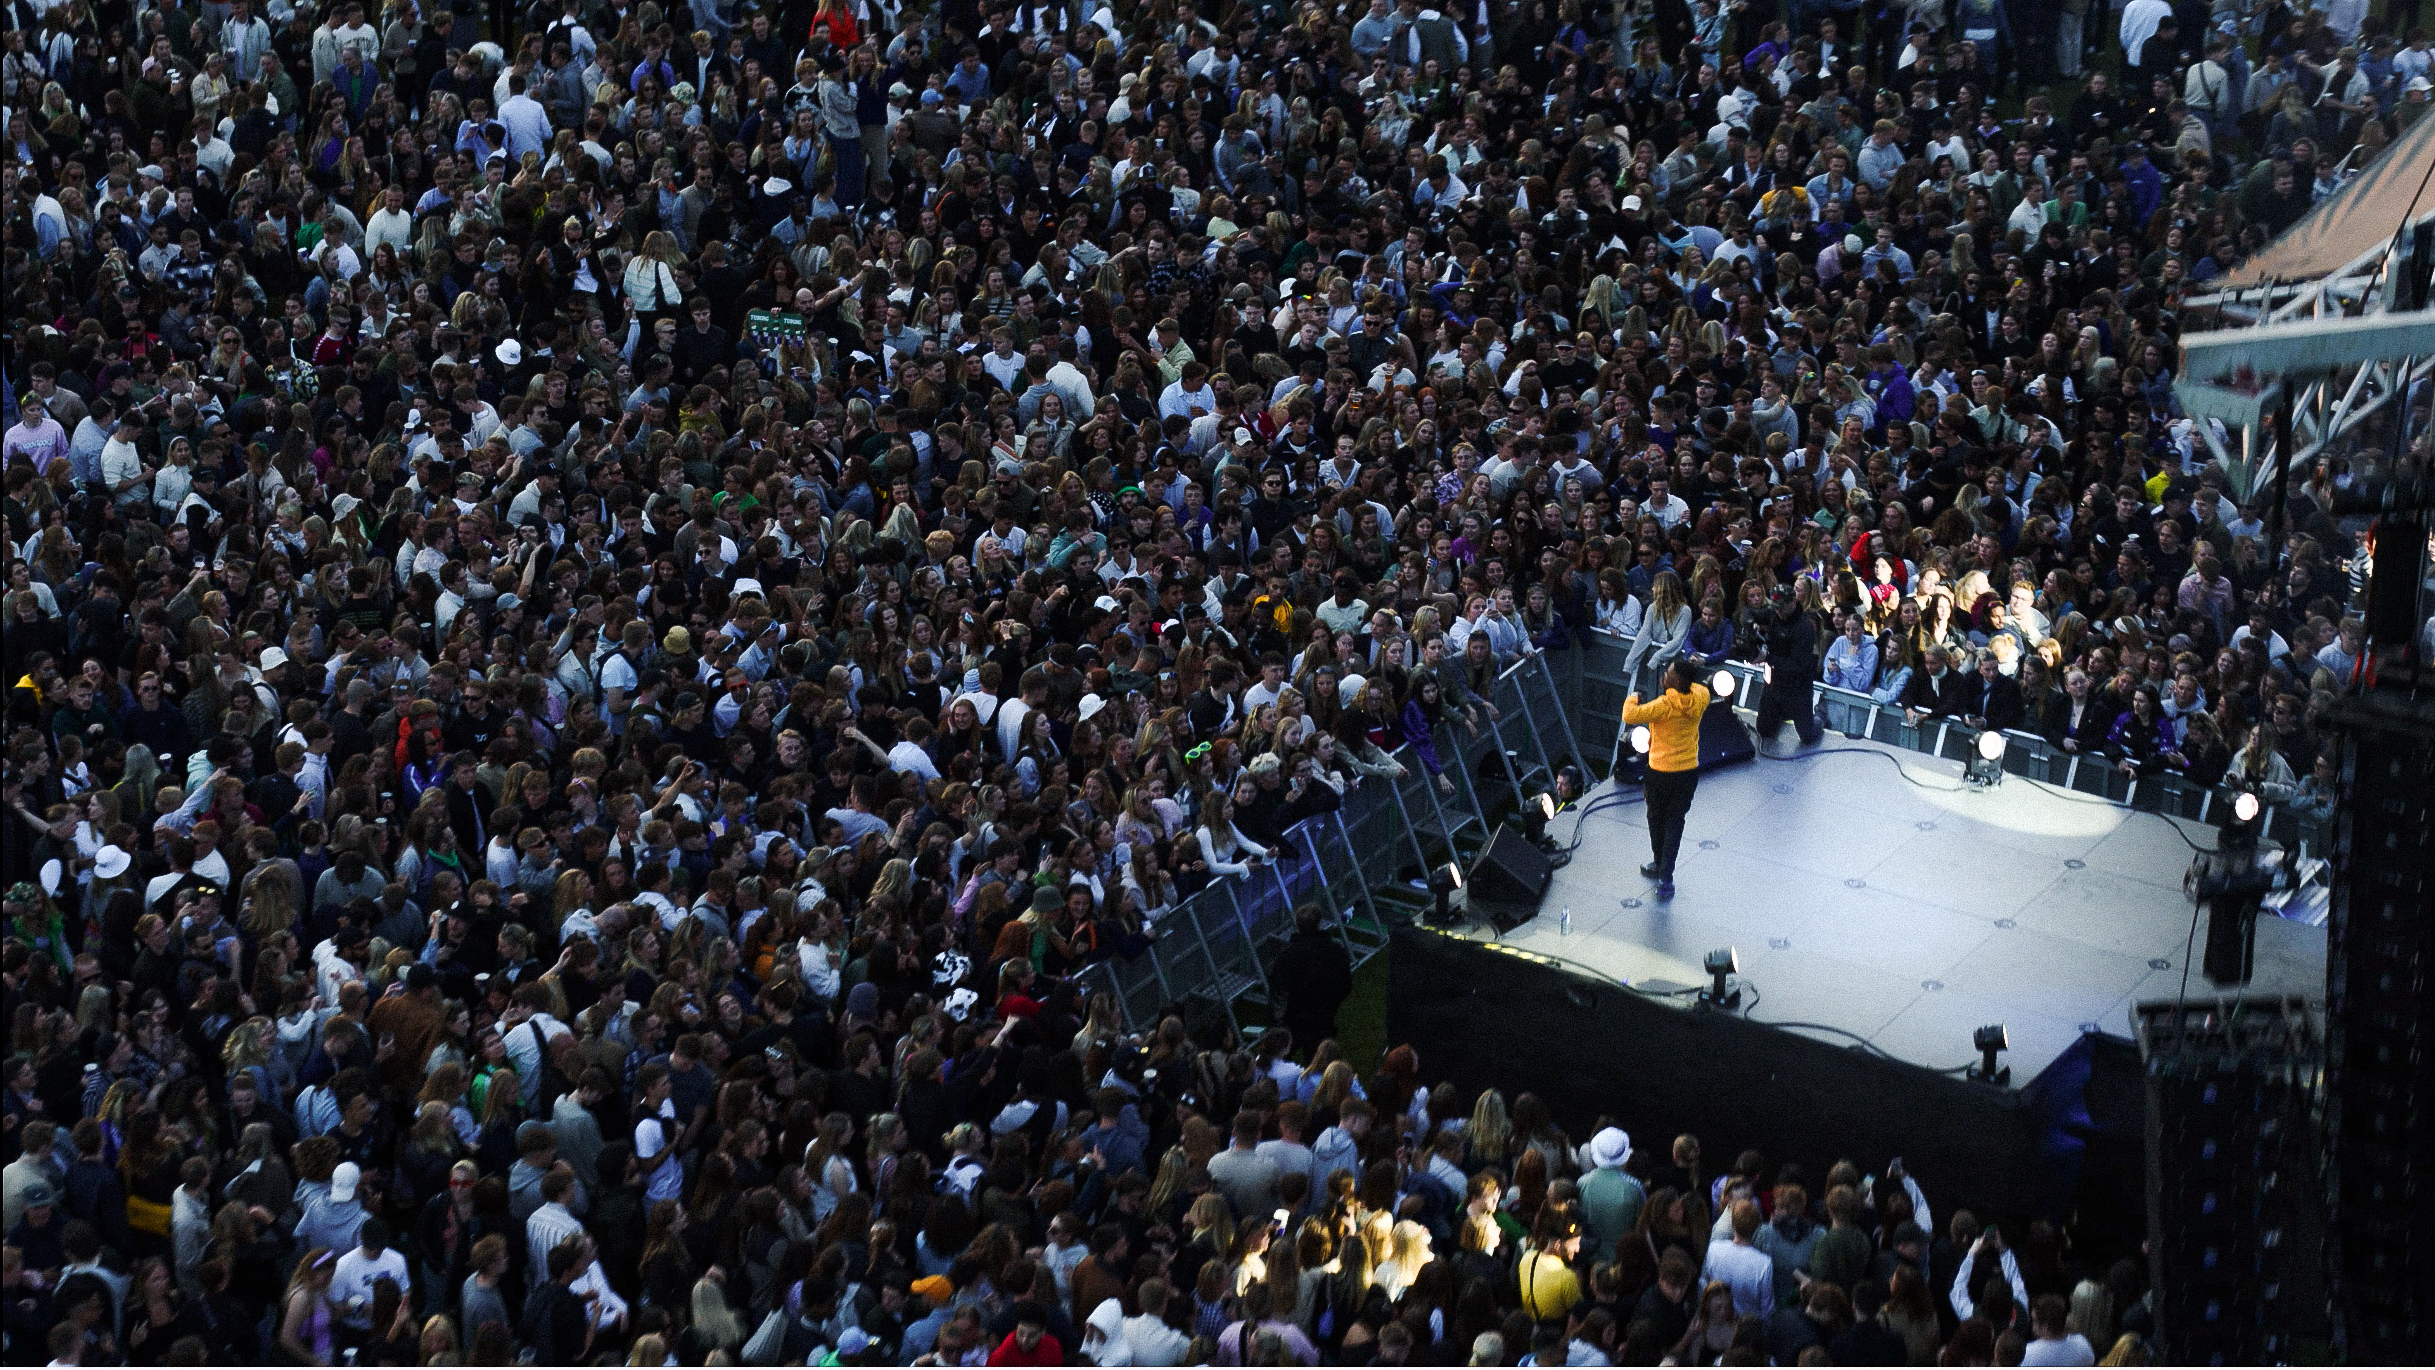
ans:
(2069, 1349)
(1186, 403)
(651, 1136)
(1748, 1270)
(909, 759)
(549, 1225)
(1006, 370)
(121, 461)
(395, 229)
(528, 126)
(353, 1276)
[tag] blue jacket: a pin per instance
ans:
(1709, 646)
(1120, 1142)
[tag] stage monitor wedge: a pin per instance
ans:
(1509, 880)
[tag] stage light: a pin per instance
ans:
(1536, 814)
(2237, 833)
(1720, 964)
(1443, 882)
(1721, 685)
(1986, 763)
(1989, 1040)
(1640, 739)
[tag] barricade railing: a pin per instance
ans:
(1212, 950)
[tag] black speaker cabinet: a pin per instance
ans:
(1509, 880)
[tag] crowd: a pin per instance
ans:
(605, 600)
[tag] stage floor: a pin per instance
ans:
(1907, 914)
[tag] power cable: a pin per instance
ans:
(1867, 751)
(2060, 793)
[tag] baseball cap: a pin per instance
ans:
(344, 1179)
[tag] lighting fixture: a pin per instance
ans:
(1986, 763)
(1443, 882)
(1640, 739)
(1536, 814)
(2239, 833)
(1720, 964)
(1989, 1040)
(1721, 684)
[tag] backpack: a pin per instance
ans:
(600, 692)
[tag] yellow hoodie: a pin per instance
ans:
(1673, 722)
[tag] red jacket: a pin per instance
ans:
(1010, 1352)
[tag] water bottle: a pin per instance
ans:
(1564, 922)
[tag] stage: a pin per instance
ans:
(1908, 914)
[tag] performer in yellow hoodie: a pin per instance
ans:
(1673, 723)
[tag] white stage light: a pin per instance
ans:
(1991, 745)
(1722, 685)
(1640, 739)
(2244, 807)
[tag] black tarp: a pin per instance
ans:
(1486, 1017)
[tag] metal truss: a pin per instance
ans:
(2330, 352)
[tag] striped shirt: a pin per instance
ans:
(549, 1225)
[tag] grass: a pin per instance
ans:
(1361, 1024)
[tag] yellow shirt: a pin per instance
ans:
(1673, 722)
(1549, 1286)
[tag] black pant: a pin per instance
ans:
(1788, 699)
(1668, 796)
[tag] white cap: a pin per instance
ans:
(2419, 83)
(509, 352)
(777, 185)
(1631, 202)
(110, 863)
(1242, 435)
(344, 1179)
(51, 871)
(746, 585)
(1852, 243)
(273, 658)
(344, 505)
(1108, 602)
(1091, 704)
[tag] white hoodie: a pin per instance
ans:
(1103, 1336)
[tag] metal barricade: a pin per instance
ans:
(1541, 699)
(1343, 885)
